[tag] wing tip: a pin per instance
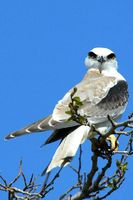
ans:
(10, 136)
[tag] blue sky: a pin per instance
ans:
(42, 49)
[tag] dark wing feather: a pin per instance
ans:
(39, 126)
(60, 134)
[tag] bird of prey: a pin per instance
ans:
(103, 92)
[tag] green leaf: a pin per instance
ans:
(115, 181)
(77, 99)
(70, 119)
(113, 184)
(110, 185)
(118, 164)
(124, 167)
(68, 112)
(73, 92)
(79, 104)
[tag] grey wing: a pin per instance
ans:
(90, 91)
(100, 97)
(113, 104)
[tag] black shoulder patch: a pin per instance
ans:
(117, 96)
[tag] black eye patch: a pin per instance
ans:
(111, 56)
(92, 55)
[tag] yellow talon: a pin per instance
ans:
(114, 142)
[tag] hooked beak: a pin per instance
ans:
(101, 59)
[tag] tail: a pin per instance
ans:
(38, 126)
(68, 147)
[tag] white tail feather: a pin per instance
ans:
(68, 147)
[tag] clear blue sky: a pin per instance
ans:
(42, 49)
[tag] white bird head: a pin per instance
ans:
(101, 58)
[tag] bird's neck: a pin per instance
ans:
(111, 71)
